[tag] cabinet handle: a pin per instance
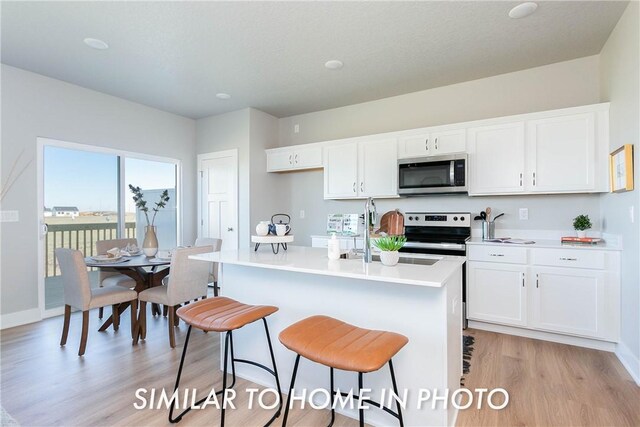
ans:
(562, 258)
(522, 274)
(290, 159)
(426, 144)
(537, 281)
(436, 143)
(354, 187)
(534, 179)
(520, 179)
(296, 158)
(362, 187)
(496, 254)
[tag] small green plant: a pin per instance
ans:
(141, 204)
(582, 222)
(390, 243)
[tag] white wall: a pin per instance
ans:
(620, 74)
(564, 84)
(37, 106)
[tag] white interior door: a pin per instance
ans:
(218, 197)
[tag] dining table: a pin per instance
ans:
(144, 270)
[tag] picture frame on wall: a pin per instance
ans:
(621, 169)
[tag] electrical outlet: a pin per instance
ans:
(301, 214)
(296, 128)
(524, 214)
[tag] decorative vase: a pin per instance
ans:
(262, 229)
(581, 233)
(389, 258)
(150, 243)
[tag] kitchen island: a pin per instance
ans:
(422, 302)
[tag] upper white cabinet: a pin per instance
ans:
(433, 143)
(294, 158)
(361, 168)
(496, 159)
(562, 151)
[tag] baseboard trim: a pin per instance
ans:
(545, 336)
(19, 318)
(630, 361)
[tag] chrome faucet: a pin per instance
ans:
(370, 218)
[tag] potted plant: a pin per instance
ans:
(581, 224)
(389, 247)
(150, 243)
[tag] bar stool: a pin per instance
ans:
(221, 314)
(339, 345)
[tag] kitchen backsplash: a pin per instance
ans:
(546, 212)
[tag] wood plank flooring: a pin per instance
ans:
(43, 384)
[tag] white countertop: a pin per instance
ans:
(548, 243)
(314, 261)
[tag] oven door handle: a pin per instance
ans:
(452, 173)
(455, 246)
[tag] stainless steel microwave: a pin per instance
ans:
(428, 175)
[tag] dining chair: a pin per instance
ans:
(213, 273)
(188, 280)
(79, 294)
(111, 278)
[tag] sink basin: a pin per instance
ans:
(416, 261)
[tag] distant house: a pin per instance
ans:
(47, 212)
(65, 211)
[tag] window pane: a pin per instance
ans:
(81, 207)
(152, 177)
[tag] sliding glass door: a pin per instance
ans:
(86, 198)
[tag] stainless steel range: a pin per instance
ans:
(444, 233)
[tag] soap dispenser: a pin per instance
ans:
(333, 247)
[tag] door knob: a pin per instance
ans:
(230, 229)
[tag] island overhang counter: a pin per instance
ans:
(422, 302)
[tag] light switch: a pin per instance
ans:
(524, 214)
(301, 214)
(296, 128)
(9, 216)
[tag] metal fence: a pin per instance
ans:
(82, 237)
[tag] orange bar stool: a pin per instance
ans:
(339, 345)
(221, 314)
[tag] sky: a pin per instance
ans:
(89, 180)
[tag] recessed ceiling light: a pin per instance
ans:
(334, 64)
(96, 43)
(523, 10)
(223, 95)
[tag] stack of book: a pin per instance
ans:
(581, 240)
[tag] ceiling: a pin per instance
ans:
(176, 56)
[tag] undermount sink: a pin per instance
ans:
(416, 261)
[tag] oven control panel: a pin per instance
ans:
(431, 219)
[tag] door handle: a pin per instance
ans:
(568, 259)
(496, 254)
(426, 144)
(230, 229)
(44, 229)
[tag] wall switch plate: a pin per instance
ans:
(296, 128)
(524, 214)
(9, 216)
(301, 214)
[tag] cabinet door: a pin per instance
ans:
(569, 300)
(497, 293)
(341, 171)
(561, 154)
(279, 160)
(453, 141)
(496, 159)
(378, 167)
(308, 158)
(415, 146)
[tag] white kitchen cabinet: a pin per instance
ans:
(294, 158)
(561, 153)
(497, 293)
(358, 169)
(569, 300)
(434, 143)
(496, 159)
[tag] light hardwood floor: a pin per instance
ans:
(44, 384)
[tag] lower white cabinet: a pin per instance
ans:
(498, 293)
(568, 291)
(569, 300)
